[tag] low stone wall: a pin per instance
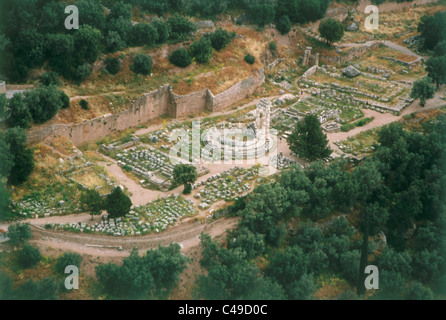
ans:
(150, 106)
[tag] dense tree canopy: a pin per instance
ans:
(152, 275)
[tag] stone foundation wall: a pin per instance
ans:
(150, 106)
(238, 92)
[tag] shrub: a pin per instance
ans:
(43, 103)
(180, 27)
(67, 259)
(201, 50)
(113, 42)
(220, 38)
(162, 30)
(331, 30)
(29, 256)
(50, 78)
(18, 233)
(83, 104)
(113, 65)
(82, 73)
(347, 127)
(273, 46)
(142, 64)
(249, 59)
(144, 34)
(180, 57)
(65, 100)
(283, 25)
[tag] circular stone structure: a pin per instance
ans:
(243, 142)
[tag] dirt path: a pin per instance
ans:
(187, 234)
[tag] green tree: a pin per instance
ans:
(331, 30)
(185, 174)
(308, 237)
(6, 289)
(3, 105)
(156, 6)
(440, 49)
(113, 65)
(165, 264)
(87, 41)
(230, 275)
(18, 234)
(68, 259)
(372, 199)
(162, 30)
(283, 24)
(303, 288)
(18, 113)
(29, 46)
(113, 42)
(201, 50)
(153, 275)
(65, 100)
(273, 47)
(261, 12)
(120, 9)
(144, 34)
(117, 203)
(180, 57)
(307, 139)
(93, 14)
(436, 68)
(50, 79)
(29, 256)
(206, 9)
(22, 157)
(288, 266)
(252, 243)
(43, 103)
(44, 289)
(83, 104)
(265, 289)
(91, 201)
(416, 291)
(220, 38)
(5, 209)
(6, 159)
(432, 29)
(142, 64)
(60, 54)
(123, 27)
(249, 59)
(180, 27)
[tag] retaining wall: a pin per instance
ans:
(150, 106)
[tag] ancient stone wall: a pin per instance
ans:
(237, 92)
(190, 104)
(150, 106)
